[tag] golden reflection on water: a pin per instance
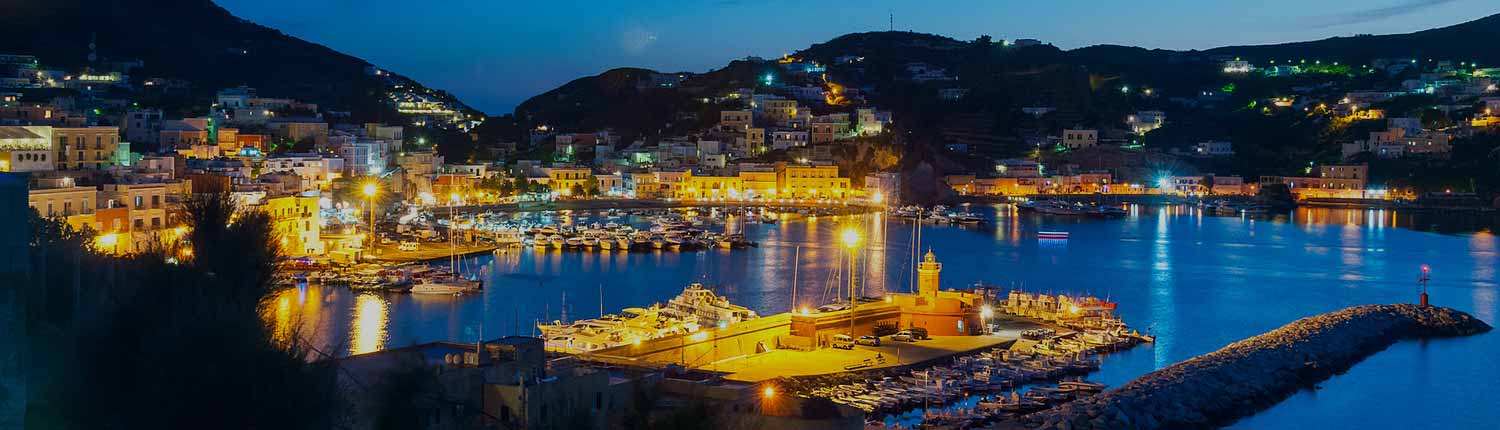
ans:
(370, 317)
(281, 318)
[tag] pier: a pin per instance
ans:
(1251, 375)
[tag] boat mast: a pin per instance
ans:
(796, 260)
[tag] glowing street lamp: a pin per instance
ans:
(851, 237)
(109, 240)
(370, 190)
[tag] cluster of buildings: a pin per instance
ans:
(128, 181)
(1018, 178)
(716, 163)
(1403, 137)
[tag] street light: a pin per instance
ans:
(109, 240)
(370, 190)
(850, 237)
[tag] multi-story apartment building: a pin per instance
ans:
(85, 148)
(146, 203)
(811, 181)
(294, 221)
(316, 171)
(562, 178)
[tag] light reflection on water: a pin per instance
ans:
(1200, 281)
(370, 317)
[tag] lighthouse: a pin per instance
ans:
(927, 277)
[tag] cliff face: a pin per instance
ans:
(1253, 374)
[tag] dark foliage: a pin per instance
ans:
(174, 337)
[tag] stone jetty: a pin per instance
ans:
(1251, 375)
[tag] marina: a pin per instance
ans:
(1162, 264)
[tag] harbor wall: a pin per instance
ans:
(1251, 375)
(709, 345)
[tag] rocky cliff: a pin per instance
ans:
(1253, 374)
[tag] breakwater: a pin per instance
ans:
(1251, 375)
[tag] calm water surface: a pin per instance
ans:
(1198, 281)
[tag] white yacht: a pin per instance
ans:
(711, 310)
(440, 285)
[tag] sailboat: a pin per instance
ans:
(453, 281)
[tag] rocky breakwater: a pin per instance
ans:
(1253, 374)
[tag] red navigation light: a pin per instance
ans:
(1426, 269)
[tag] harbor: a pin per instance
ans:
(1146, 263)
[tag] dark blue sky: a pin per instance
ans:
(496, 53)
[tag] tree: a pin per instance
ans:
(576, 191)
(196, 304)
(521, 185)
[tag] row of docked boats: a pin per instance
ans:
(664, 234)
(1067, 208)
(994, 371)
(695, 308)
(408, 278)
(1233, 208)
(939, 214)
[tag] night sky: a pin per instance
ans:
(496, 53)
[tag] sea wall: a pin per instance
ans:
(1253, 374)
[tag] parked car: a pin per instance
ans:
(868, 340)
(843, 341)
(904, 336)
(407, 245)
(919, 333)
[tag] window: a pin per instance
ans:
(139, 223)
(139, 203)
(155, 222)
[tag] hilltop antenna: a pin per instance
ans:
(893, 21)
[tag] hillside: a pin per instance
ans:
(1002, 76)
(195, 40)
(1468, 41)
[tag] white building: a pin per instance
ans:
(26, 149)
(364, 157)
(783, 139)
(1080, 138)
(1214, 148)
(1236, 66)
(1144, 121)
(315, 170)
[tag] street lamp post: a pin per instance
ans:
(851, 240)
(370, 189)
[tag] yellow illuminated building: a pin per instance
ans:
(759, 184)
(562, 179)
(711, 187)
(295, 223)
(80, 148)
(812, 182)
